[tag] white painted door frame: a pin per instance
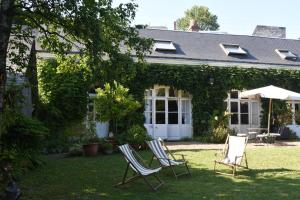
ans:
(166, 130)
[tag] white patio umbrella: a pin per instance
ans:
(271, 92)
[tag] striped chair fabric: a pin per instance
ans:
(134, 164)
(160, 154)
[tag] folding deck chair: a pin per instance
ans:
(160, 152)
(233, 153)
(140, 171)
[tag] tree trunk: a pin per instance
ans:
(6, 16)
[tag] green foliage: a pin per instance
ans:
(107, 146)
(136, 134)
(26, 133)
(282, 113)
(204, 18)
(63, 85)
(22, 143)
(113, 103)
(219, 127)
(209, 98)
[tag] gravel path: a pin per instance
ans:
(198, 145)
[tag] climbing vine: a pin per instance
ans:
(209, 85)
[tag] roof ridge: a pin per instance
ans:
(220, 33)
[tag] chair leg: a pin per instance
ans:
(151, 186)
(215, 166)
(233, 170)
(125, 175)
(151, 160)
(246, 161)
(188, 170)
(173, 171)
(124, 180)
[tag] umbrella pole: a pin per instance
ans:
(269, 116)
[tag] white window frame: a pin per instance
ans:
(250, 110)
(228, 49)
(164, 45)
(286, 54)
(179, 98)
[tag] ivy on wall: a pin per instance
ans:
(209, 85)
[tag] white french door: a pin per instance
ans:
(167, 113)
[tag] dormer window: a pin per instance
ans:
(164, 45)
(233, 49)
(286, 54)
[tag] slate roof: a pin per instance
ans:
(199, 47)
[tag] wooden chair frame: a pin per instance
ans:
(232, 166)
(172, 166)
(137, 174)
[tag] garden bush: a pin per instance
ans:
(135, 135)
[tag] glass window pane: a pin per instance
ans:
(297, 106)
(160, 105)
(173, 105)
(173, 118)
(186, 119)
(160, 92)
(244, 119)
(234, 94)
(255, 120)
(233, 107)
(185, 106)
(90, 107)
(173, 92)
(234, 119)
(255, 113)
(244, 107)
(160, 118)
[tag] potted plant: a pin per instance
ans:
(113, 103)
(107, 148)
(90, 140)
(136, 135)
(90, 148)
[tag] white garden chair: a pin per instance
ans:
(234, 153)
(165, 158)
(140, 171)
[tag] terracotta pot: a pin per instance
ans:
(90, 149)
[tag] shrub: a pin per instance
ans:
(76, 150)
(219, 134)
(136, 134)
(114, 103)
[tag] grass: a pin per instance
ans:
(274, 174)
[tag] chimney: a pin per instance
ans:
(175, 26)
(193, 26)
(270, 31)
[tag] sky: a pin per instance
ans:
(234, 16)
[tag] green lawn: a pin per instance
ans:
(274, 174)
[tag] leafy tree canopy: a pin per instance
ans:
(94, 27)
(204, 18)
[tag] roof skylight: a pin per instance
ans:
(164, 45)
(233, 49)
(286, 54)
